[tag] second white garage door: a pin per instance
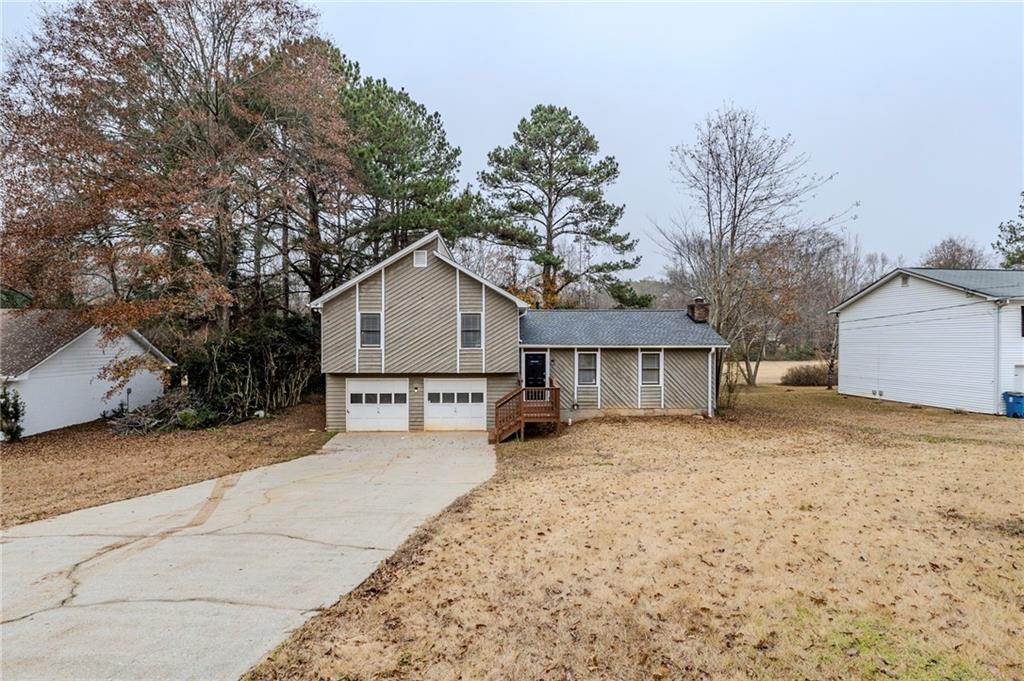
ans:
(377, 404)
(455, 404)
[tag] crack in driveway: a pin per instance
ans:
(138, 543)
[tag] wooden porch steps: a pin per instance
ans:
(525, 405)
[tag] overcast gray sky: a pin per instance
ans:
(918, 107)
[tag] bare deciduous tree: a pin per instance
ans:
(956, 253)
(747, 242)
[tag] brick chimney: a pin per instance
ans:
(698, 310)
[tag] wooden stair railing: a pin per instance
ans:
(526, 405)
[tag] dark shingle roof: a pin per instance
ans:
(626, 328)
(27, 337)
(996, 283)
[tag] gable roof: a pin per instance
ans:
(989, 284)
(446, 256)
(993, 283)
(28, 337)
(616, 328)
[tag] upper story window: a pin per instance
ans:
(419, 258)
(470, 329)
(650, 365)
(369, 330)
(586, 372)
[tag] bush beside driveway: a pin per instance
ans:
(803, 535)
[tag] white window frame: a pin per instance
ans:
(380, 331)
(661, 370)
(419, 258)
(480, 316)
(597, 369)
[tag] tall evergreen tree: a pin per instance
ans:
(550, 181)
(1010, 242)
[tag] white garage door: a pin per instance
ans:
(377, 404)
(455, 404)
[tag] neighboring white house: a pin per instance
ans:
(54, 362)
(937, 337)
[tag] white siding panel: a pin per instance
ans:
(922, 343)
(65, 390)
(1011, 348)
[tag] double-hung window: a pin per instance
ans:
(650, 364)
(369, 330)
(586, 368)
(470, 329)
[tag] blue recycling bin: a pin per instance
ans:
(1014, 404)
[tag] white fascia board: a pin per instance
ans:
(899, 271)
(477, 277)
(152, 349)
(318, 304)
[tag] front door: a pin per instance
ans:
(535, 370)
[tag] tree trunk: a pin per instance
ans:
(314, 241)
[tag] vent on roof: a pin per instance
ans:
(904, 280)
(419, 258)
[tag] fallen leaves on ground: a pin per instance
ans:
(86, 465)
(803, 535)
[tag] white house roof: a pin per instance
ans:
(988, 284)
(446, 256)
(28, 337)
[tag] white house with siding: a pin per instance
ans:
(54, 363)
(937, 337)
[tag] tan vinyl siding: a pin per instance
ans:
(420, 326)
(470, 362)
(586, 397)
(369, 294)
(469, 293)
(415, 403)
(561, 369)
(686, 379)
(618, 379)
(335, 402)
(338, 334)
(369, 360)
(650, 397)
(498, 385)
(501, 334)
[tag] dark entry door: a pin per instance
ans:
(536, 370)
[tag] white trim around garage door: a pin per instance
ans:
(455, 404)
(380, 404)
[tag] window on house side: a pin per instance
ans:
(419, 258)
(650, 363)
(369, 330)
(470, 329)
(587, 362)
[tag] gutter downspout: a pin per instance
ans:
(998, 359)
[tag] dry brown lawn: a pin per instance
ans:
(804, 535)
(81, 466)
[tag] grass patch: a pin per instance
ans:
(868, 648)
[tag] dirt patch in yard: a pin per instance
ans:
(81, 466)
(804, 535)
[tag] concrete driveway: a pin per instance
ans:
(200, 582)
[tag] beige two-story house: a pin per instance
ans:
(419, 342)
